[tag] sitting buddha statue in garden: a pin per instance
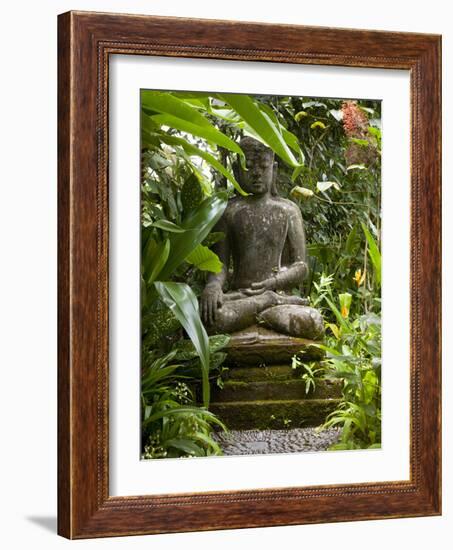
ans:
(260, 229)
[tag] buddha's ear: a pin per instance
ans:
(274, 190)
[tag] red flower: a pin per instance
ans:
(355, 124)
(355, 121)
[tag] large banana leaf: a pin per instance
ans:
(148, 127)
(197, 224)
(262, 124)
(199, 100)
(191, 149)
(166, 103)
(210, 133)
(227, 114)
(234, 118)
(289, 137)
(180, 298)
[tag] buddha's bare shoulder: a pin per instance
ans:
(285, 204)
(234, 205)
(234, 202)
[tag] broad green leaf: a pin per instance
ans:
(167, 225)
(191, 95)
(374, 253)
(262, 124)
(210, 133)
(205, 259)
(166, 103)
(199, 100)
(227, 114)
(197, 224)
(158, 260)
(200, 97)
(148, 127)
(195, 151)
(288, 136)
(148, 252)
(180, 298)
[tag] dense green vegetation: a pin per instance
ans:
(328, 153)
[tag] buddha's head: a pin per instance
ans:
(259, 177)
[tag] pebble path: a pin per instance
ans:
(252, 442)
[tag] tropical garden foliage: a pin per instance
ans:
(328, 153)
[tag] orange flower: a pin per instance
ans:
(359, 277)
(345, 304)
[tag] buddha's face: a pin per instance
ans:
(260, 166)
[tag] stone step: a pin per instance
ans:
(275, 414)
(273, 389)
(258, 345)
(255, 374)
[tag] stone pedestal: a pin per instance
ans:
(258, 345)
(262, 391)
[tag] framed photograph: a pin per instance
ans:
(249, 275)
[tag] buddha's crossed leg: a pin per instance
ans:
(240, 311)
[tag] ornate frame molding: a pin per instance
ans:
(86, 40)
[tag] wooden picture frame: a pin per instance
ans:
(85, 41)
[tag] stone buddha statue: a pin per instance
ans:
(255, 283)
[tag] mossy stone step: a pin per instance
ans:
(262, 372)
(275, 414)
(272, 389)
